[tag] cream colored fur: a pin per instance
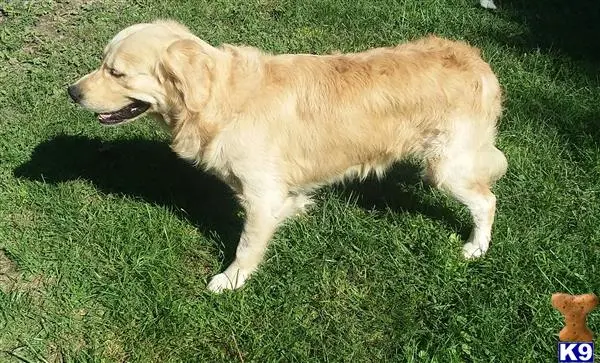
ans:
(276, 127)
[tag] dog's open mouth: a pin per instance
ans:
(130, 111)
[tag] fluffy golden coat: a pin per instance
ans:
(276, 127)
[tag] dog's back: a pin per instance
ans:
(351, 114)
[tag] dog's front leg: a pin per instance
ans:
(264, 212)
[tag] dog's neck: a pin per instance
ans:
(193, 132)
(190, 134)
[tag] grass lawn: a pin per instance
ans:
(107, 240)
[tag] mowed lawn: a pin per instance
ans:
(107, 240)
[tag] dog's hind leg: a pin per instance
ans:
(467, 176)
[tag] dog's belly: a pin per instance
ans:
(334, 161)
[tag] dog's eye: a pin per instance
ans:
(113, 72)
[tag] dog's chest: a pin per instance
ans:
(217, 159)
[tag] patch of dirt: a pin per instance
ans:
(9, 276)
(113, 350)
(56, 23)
(54, 354)
(63, 11)
(3, 15)
(11, 280)
(21, 219)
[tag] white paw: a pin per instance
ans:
(227, 281)
(302, 202)
(472, 250)
(488, 4)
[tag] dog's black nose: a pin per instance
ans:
(75, 93)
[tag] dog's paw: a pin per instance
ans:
(472, 250)
(219, 283)
(302, 203)
(488, 4)
(227, 281)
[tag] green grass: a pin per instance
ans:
(112, 238)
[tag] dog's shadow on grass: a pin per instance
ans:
(569, 27)
(150, 170)
(143, 169)
(402, 190)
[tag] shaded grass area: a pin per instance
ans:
(571, 29)
(109, 239)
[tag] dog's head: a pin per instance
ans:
(158, 68)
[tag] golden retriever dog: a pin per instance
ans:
(277, 127)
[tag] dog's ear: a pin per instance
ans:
(188, 68)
